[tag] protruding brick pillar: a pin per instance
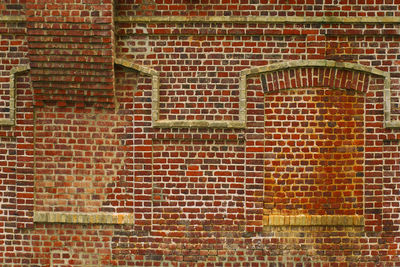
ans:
(71, 51)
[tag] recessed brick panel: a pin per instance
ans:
(314, 142)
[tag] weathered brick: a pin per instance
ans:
(273, 149)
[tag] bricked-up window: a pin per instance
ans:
(314, 141)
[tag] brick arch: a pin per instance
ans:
(314, 142)
(322, 73)
(316, 73)
(306, 77)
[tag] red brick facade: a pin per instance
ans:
(199, 133)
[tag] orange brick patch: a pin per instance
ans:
(314, 145)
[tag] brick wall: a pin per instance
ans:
(71, 51)
(199, 133)
(359, 8)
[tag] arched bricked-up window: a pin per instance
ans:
(315, 143)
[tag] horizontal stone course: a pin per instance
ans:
(236, 19)
(84, 218)
(313, 220)
(257, 19)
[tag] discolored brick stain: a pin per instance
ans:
(314, 152)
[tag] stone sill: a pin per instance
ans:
(238, 19)
(12, 19)
(313, 220)
(83, 218)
